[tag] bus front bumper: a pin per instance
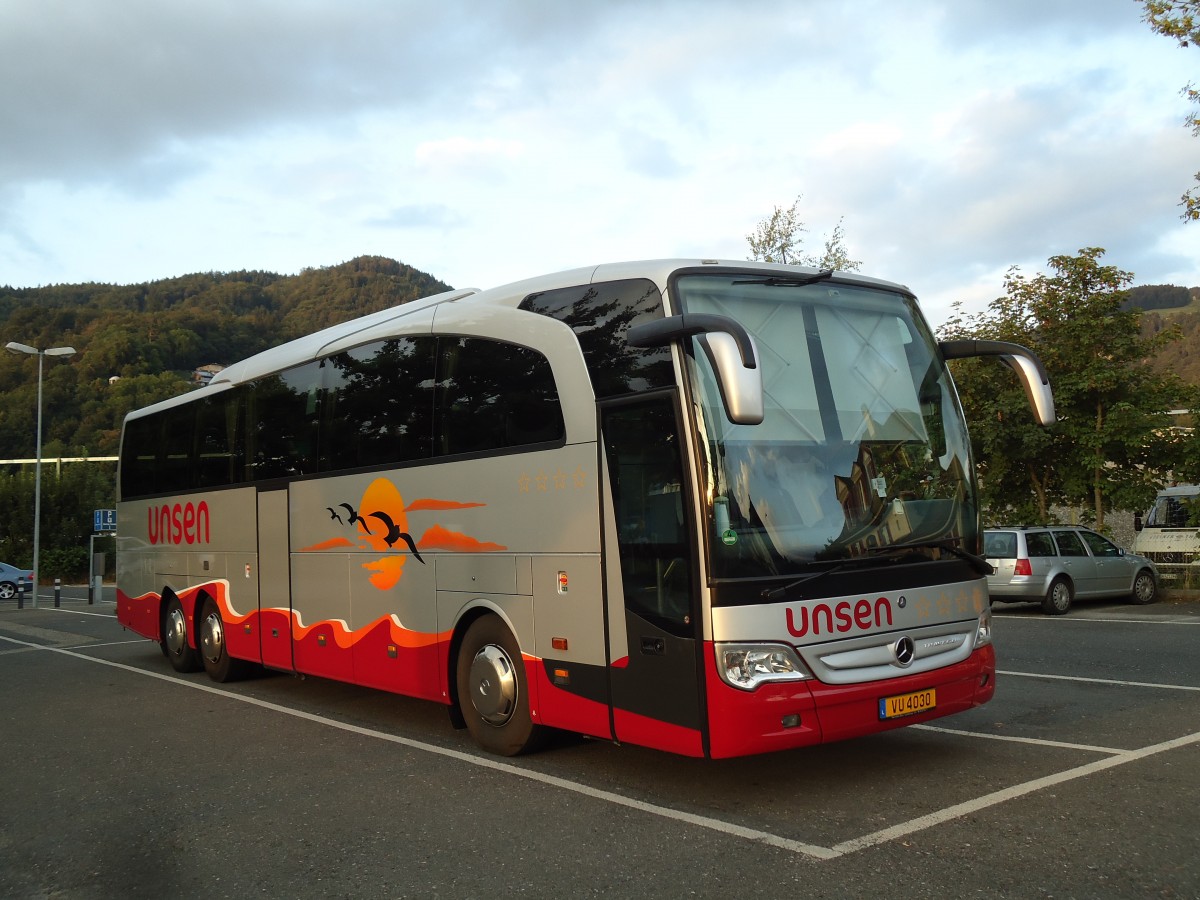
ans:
(787, 715)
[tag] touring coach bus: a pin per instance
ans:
(714, 508)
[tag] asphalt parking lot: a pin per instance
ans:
(123, 778)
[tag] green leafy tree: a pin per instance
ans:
(1111, 447)
(1180, 20)
(779, 238)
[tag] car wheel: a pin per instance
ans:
(1145, 589)
(8, 590)
(175, 647)
(1058, 598)
(493, 692)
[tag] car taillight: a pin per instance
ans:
(1023, 567)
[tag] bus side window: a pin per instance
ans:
(175, 466)
(218, 441)
(378, 404)
(282, 438)
(601, 315)
(491, 395)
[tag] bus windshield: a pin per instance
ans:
(863, 444)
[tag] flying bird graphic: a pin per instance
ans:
(394, 534)
(334, 515)
(355, 517)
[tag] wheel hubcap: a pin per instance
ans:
(212, 638)
(493, 685)
(176, 635)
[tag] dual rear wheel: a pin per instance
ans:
(211, 653)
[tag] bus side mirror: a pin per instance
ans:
(1021, 360)
(730, 349)
(1137, 521)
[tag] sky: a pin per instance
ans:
(485, 142)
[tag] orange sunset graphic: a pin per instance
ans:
(379, 522)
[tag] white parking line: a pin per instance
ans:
(1143, 684)
(814, 851)
(109, 644)
(81, 612)
(1017, 616)
(1018, 790)
(1011, 739)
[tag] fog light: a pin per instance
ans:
(790, 721)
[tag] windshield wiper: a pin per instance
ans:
(789, 280)
(772, 593)
(978, 563)
(892, 552)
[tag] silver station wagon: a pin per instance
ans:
(1055, 564)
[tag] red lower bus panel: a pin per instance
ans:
(561, 709)
(746, 722)
(646, 732)
(392, 658)
(140, 614)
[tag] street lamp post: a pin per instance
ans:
(15, 347)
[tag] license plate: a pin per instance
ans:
(907, 704)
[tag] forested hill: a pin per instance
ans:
(152, 336)
(1164, 306)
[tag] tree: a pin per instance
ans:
(1180, 20)
(778, 239)
(1111, 446)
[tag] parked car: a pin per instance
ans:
(8, 580)
(1055, 564)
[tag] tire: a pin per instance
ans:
(1145, 588)
(219, 665)
(1058, 597)
(175, 648)
(493, 691)
(8, 590)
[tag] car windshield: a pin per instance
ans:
(862, 446)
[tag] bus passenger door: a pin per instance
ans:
(274, 580)
(656, 685)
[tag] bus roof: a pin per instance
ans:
(314, 346)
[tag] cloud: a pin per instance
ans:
(418, 215)
(462, 156)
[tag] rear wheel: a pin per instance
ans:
(1145, 588)
(183, 657)
(1058, 598)
(219, 665)
(8, 590)
(493, 691)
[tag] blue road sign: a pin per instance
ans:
(104, 520)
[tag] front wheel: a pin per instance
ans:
(219, 665)
(1058, 598)
(493, 691)
(1145, 588)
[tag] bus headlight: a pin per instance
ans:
(746, 666)
(983, 630)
